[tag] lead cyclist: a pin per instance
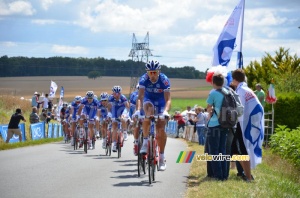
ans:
(155, 99)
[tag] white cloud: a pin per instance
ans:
(111, 16)
(263, 17)
(48, 21)
(16, 7)
(9, 44)
(47, 3)
(62, 49)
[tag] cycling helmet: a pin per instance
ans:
(104, 96)
(153, 65)
(77, 98)
(117, 89)
(65, 104)
(90, 94)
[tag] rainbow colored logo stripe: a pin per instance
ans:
(185, 156)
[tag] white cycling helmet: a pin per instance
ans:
(90, 94)
(117, 89)
(104, 96)
(152, 65)
(77, 98)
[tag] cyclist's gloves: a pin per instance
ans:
(166, 114)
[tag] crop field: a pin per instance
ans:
(79, 85)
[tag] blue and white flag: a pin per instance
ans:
(53, 88)
(252, 123)
(229, 38)
(62, 92)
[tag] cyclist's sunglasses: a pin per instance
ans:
(90, 98)
(103, 100)
(155, 72)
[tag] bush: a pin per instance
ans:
(286, 143)
(286, 110)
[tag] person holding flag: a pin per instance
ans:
(250, 128)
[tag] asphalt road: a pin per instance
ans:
(56, 170)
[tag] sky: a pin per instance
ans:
(181, 33)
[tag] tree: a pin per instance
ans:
(282, 67)
(94, 74)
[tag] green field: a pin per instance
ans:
(180, 104)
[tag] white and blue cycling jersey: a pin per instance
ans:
(154, 92)
(103, 111)
(67, 114)
(117, 106)
(132, 99)
(90, 109)
(75, 107)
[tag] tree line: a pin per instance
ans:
(67, 66)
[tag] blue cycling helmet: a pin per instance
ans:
(104, 96)
(77, 98)
(117, 89)
(90, 94)
(152, 65)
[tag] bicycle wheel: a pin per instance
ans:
(75, 139)
(154, 162)
(150, 160)
(119, 145)
(86, 141)
(107, 144)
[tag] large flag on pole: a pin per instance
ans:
(53, 88)
(229, 38)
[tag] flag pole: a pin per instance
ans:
(240, 53)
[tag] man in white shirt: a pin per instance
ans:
(45, 102)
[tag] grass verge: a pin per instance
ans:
(4, 146)
(275, 177)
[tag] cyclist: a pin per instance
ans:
(74, 108)
(102, 115)
(63, 114)
(155, 99)
(119, 108)
(133, 99)
(89, 106)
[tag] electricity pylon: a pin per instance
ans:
(139, 53)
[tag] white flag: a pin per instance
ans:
(227, 40)
(53, 88)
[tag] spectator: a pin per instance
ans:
(200, 125)
(39, 103)
(260, 94)
(34, 117)
(44, 117)
(54, 112)
(180, 122)
(45, 102)
(216, 135)
(50, 105)
(34, 100)
(13, 126)
(250, 131)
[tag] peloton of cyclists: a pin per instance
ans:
(119, 108)
(155, 99)
(88, 111)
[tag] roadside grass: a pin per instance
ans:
(275, 177)
(4, 146)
